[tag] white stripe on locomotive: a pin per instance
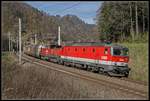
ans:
(95, 61)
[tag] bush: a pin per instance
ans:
(138, 53)
(142, 38)
(31, 82)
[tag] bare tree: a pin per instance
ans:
(131, 30)
(136, 15)
(143, 20)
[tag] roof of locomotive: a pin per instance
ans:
(86, 44)
(93, 44)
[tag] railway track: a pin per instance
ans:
(131, 80)
(139, 89)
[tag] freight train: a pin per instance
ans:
(104, 58)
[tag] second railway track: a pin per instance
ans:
(138, 89)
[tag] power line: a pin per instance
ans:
(67, 8)
(70, 8)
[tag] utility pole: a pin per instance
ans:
(19, 41)
(59, 36)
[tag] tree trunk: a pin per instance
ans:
(137, 30)
(123, 34)
(131, 29)
(148, 18)
(143, 22)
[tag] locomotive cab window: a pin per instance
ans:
(121, 52)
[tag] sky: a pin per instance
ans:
(85, 10)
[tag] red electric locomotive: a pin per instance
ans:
(103, 58)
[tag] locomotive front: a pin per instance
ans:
(120, 59)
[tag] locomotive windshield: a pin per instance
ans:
(120, 51)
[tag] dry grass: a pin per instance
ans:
(31, 82)
(138, 62)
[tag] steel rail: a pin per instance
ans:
(131, 80)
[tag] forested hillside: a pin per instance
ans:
(43, 25)
(123, 20)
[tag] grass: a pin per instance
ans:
(31, 82)
(138, 53)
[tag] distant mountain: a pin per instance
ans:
(74, 28)
(44, 25)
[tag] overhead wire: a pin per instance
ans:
(66, 8)
(70, 8)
